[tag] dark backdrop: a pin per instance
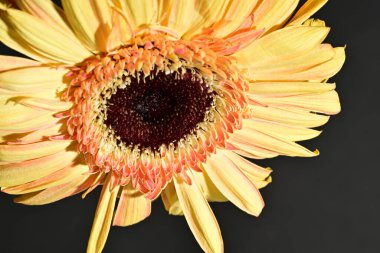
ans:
(326, 204)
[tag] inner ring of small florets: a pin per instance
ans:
(209, 100)
(159, 109)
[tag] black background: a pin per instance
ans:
(326, 204)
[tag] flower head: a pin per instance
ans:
(159, 98)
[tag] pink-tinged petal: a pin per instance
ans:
(103, 218)
(132, 208)
(13, 62)
(199, 216)
(55, 193)
(232, 182)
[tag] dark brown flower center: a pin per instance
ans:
(158, 110)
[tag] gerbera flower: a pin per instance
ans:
(155, 98)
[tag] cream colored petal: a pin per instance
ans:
(181, 15)
(232, 182)
(260, 183)
(103, 218)
(281, 44)
(199, 216)
(27, 171)
(11, 39)
(287, 132)
(50, 43)
(59, 177)
(91, 21)
(272, 14)
(306, 11)
(326, 102)
(47, 11)
(289, 88)
(53, 194)
(291, 116)
(247, 167)
(210, 191)
(251, 150)
(132, 208)
(22, 152)
(32, 79)
(13, 62)
(325, 70)
(140, 13)
(207, 12)
(235, 14)
(170, 200)
(286, 66)
(275, 144)
(35, 136)
(44, 104)
(17, 118)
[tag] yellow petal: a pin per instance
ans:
(50, 43)
(289, 88)
(133, 207)
(11, 39)
(103, 218)
(251, 150)
(140, 13)
(210, 191)
(181, 15)
(206, 13)
(306, 11)
(91, 21)
(287, 132)
(32, 79)
(47, 11)
(325, 70)
(281, 44)
(22, 152)
(247, 167)
(13, 62)
(27, 171)
(170, 200)
(232, 182)
(326, 102)
(275, 144)
(291, 116)
(236, 12)
(199, 216)
(54, 179)
(284, 67)
(272, 14)
(44, 104)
